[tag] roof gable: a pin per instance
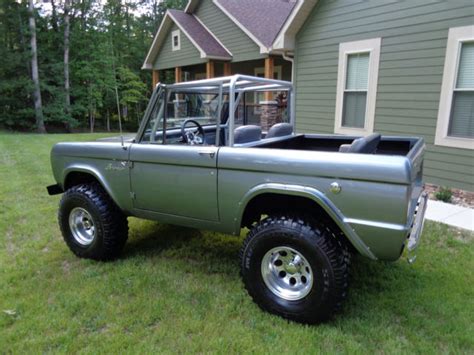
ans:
(200, 35)
(204, 41)
(262, 20)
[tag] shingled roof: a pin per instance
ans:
(271, 24)
(262, 18)
(199, 35)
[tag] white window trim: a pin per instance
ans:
(371, 46)
(456, 37)
(176, 33)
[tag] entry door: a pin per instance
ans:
(176, 180)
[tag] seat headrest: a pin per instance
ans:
(367, 145)
(246, 134)
(280, 130)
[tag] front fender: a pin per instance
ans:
(310, 193)
(117, 188)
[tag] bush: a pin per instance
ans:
(444, 194)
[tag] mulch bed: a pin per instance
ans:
(460, 197)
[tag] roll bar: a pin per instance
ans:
(231, 85)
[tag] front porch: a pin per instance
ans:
(263, 109)
(272, 67)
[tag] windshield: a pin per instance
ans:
(203, 108)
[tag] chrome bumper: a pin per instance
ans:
(417, 227)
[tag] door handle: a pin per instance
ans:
(209, 153)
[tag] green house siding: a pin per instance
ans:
(414, 38)
(232, 37)
(187, 55)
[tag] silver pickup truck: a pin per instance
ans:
(212, 155)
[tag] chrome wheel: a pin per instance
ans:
(82, 226)
(287, 273)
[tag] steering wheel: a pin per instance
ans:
(192, 137)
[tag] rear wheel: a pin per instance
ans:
(296, 268)
(92, 225)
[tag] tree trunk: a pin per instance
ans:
(92, 120)
(34, 70)
(54, 17)
(67, 89)
(108, 120)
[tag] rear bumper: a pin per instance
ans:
(417, 227)
(54, 189)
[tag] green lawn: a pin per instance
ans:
(178, 289)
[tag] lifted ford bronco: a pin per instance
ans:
(210, 155)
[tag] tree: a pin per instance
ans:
(132, 89)
(34, 70)
(67, 93)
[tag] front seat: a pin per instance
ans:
(364, 145)
(280, 130)
(246, 134)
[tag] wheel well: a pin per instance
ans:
(76, 178)
(271, 203)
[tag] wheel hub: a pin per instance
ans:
(82, 226)
(287, 273)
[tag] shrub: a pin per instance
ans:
(444, 194)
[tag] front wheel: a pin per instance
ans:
(92, 225)
(295, 268)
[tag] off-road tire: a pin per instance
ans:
(111, 225)
(320, 245)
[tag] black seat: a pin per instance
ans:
(280, 130)
(246, 134)
(364, 145)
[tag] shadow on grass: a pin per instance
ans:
(206, 249)
(382, 295)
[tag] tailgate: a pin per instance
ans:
(416, 155)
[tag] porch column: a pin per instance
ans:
(269, 70)
(269, 107)
(155, 78)
(227, 69)
(177, 75)
(210, 69)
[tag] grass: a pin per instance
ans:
(178, 289)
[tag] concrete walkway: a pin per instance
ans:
(456, 216)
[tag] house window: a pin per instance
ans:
(455, 126)
(357, 86)
(176, 40)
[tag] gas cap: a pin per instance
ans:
(335, 188)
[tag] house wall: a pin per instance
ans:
(187, 55)
(232, 37)
(414, 38)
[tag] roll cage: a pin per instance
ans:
(232, 86)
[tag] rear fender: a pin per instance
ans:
(314, 195)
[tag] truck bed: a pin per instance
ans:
(331, 143)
